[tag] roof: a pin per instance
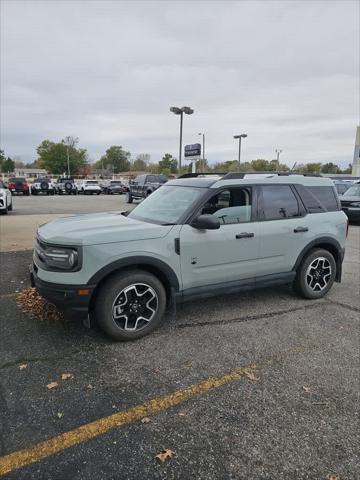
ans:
(219, 180)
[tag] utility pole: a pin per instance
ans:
(242, 135)
(277, 157)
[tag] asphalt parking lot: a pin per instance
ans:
(259, 385)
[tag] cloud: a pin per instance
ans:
(286, 73)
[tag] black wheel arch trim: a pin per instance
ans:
(319, 242)
(137, 261)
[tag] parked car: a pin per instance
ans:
(43, 185)
(18, 185)
(341, 186)
(66, 186)
(350, 202)
(192, 238)
(114, 186)
(89, 187)
(6, 204)
(144, 185)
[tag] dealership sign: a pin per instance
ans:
(193, 150)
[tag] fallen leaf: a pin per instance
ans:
(250, 374)
(23, 366)
(89, 387)
(164, 455)
(66, 376)
(182, 414)
(306, 389)
(59, 414)
(145, 420)
(332, 477)
(52, 385)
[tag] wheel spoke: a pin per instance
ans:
(318, 274)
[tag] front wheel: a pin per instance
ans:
(130, 305)
(316, 274)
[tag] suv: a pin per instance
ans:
(42, 185)
(66, 185)
(114, 186)
(195, 237)
(5, 198)
(18, 185)
(144, 185)
(89, 186)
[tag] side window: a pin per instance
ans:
(230, 206)
(150, 179)
(278, 201)
(326, 197)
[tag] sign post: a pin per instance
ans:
(193, 153)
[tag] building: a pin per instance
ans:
(30, 172)
(356, 161)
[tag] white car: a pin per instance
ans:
(5, 199)
(42, 185)
(89, 186)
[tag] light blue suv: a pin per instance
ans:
(195, 237)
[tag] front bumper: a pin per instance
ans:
(73, 300)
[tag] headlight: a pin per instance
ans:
(58, 258)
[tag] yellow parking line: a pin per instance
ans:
(21, 458)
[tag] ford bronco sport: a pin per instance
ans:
(194, 237)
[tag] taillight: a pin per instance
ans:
(25, 185)
(11, 185)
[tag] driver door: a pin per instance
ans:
(229, 256)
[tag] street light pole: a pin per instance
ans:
(181, 111)
(70, 142)
(203, 150)
(242, 135)
(277, 157)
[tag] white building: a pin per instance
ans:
(30, 172)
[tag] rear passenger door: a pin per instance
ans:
(284, 228)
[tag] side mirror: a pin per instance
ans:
(206, 222)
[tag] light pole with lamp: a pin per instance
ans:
(203, 150)
(277, 157)
(242, 135)
(181, 111)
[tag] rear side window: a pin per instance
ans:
(320, 199)
(278, 202)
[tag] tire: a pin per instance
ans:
(148, 193)
(75, 192)
(10, 207)
(27, 193)
(139, 284)
(316, 274)
(98, 193)
(129, 198)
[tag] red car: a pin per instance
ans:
(18, 185)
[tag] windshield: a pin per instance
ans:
(167, 204)
(353, 191)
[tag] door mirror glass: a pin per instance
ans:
(206, 222)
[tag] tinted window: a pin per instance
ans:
(325, 197)
(278, 201)
(230, 206)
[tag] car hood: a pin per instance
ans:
(349, 198)
(99, 228)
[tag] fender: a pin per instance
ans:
(319, 242)
(137, 260)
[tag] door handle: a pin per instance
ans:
(244, 235)
(300, 229)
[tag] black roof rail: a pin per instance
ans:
(199, 174)
(239, 175)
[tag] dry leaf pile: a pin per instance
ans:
(31, 302)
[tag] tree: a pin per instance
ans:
(139, 164)
(115, 159)
(168, 162)
(53, 157)
(330, 168)
(310, 168)
(8, 165)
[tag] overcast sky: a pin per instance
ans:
(284, 72)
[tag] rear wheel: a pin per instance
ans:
(130, 305)
(316, 274)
